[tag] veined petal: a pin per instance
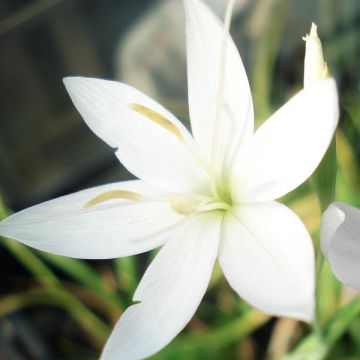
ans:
(340, 242)
(204, 40)
(288, 147)
(169, 293)
(267, 256)
(119, 227)
(150, 141)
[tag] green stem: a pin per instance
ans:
(319, 266)
(324, 181)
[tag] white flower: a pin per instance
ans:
(340, 242)
(203, 197)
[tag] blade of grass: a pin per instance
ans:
(60, 298)
(86, 318)
(193, 346)
(266, 33)
(313, 348)
(82, 273)
(126, 273)
(31, 262)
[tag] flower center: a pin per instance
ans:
(220, 200)
(222, 192)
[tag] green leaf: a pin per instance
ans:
(313, 347)
(84, 274)
(324, 178)
(126, 273)
(204, 345)
(56, 297)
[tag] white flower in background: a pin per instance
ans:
(340, 242)
(340, 227)
(204, 196)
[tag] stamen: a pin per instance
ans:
(157, 119)
(168, 125)
(185, 206)
(113, 194)
(214, 206)
(192, 205)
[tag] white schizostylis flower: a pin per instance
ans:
(340, 242)
(199, 209)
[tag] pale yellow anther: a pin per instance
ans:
(184, 205)
(315, 67)
(111, 195)
(157, 119)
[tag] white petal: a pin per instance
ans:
(169, 293)
(204, 39)
(267, 256)
(288, 147)
(340, 242)
(114, 228)
(148, 150)
(332, 218)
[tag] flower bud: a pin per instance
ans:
(315, 68)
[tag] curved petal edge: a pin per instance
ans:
(340, 242)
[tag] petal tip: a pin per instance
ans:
(70, 81)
